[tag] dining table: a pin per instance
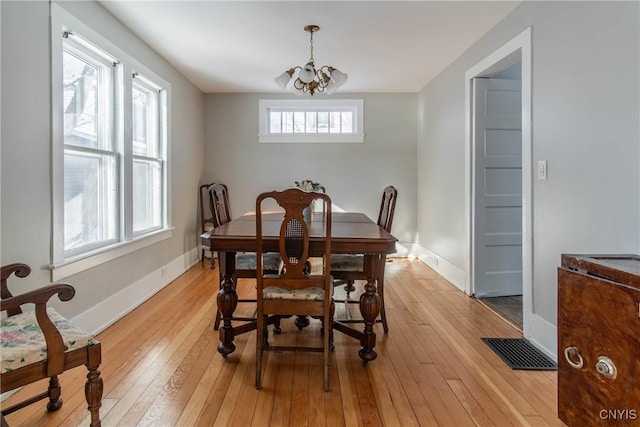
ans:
(351, 233)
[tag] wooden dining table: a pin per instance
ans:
(351, 233)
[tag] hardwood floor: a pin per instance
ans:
(161, 368)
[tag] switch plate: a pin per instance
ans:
(542, 170)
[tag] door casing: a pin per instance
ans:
(517, 49)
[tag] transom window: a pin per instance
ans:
(304, 121)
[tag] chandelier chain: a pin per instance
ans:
(311, 45)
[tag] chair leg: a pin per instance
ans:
(327, 338)
(93, 393)
(216, 322)
(259, 344)
(383, 314)
(349, 287)
(55, 402)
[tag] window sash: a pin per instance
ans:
(90, 165)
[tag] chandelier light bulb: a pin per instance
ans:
(283, 79)
(307, 73)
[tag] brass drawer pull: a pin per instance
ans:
(574, 358)
(606, 367)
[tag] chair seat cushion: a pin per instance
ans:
(22, 341)
(345, 262)
(247, 261)
(307, 294)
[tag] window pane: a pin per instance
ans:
(347, 122)
(147, 195)
(90, 204)
(145, 121)
(335, 122)
(298, 122)
(323, 122)
(287, 122)
(80, 101)
(311, 123)
(275, 122)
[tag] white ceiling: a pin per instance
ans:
(240, 46)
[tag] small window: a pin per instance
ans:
(308, 121)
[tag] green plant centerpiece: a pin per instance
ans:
(308, 185)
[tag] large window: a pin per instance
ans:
(311, 120)
(109, 149)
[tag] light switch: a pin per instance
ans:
(542, 170)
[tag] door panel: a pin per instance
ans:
(498, 187)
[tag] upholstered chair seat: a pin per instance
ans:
(22, 340)
(247, 261)
(345, 262)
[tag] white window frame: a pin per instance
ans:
(63, 266)
(311, 105)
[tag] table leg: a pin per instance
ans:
(369, 309)
(227, 302)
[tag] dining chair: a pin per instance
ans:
(41, 344)
(295, 290)
(346, 269)
(206, 219)
(245, 261)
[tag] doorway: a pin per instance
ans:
(499, 181)
(497, 188)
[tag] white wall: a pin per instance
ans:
(353, 174)
(585, 122)
(25, 214)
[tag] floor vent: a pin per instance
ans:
(518, 353)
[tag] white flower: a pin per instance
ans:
(308, 185)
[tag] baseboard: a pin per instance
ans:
(104, 314)
(455, 275)
(542, 334)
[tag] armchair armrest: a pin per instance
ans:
(40, 297)
(21, 270)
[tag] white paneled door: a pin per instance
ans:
(497, 145)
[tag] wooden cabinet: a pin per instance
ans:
(599, 340)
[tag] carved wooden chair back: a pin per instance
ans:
(219, 202)
(294, 291)
(206, 216)
(387, 207)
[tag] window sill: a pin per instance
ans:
(75, 265)
(311, 138)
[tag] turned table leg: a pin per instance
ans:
(369, 308)
(227, 302)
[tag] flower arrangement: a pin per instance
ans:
(308, 185)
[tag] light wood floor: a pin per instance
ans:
(161, 368)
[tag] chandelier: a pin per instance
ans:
(309, 79)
